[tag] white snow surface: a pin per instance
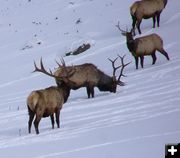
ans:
(137, 121)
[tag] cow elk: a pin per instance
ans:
(143, 46)
(146, 9)
(46, 102)
(89, 76)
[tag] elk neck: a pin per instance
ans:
(65, 89)
(105, 83)
(131, 44)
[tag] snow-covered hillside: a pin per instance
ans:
(136, 121)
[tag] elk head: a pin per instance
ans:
(129, 38)
(129, 34)
(117, 80)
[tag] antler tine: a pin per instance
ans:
(59, 65)
(63, 62)
(113, 65)
(35, 67)
(113, 61)
(50, 71)
(123, 66)
(119, 28)
(42, 66)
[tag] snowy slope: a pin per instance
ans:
(136, 121)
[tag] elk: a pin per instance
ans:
(146, 9)
(89, 76)
(143, 46)
(46, 102)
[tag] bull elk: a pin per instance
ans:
(89, 76)
(146, 9)
(142, 46)
(46, 102)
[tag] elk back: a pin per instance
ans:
(147, 44)
(82, 74)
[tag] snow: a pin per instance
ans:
(136, 121)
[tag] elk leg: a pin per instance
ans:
(133, 21)
(138, 26)
(142, 61)
(36, 122)
(136, 60)
(88, 91)
(158, 19)
(31, 117)
(57, 118)
(133, 24)
(52, 120)
(154, 21)
(92, 92)
(91, 88)
(164, 53)
(154, 58)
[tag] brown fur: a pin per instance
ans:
(89, 76)
(46, 102)
(146, 9)
(146, 45)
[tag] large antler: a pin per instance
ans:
(64, 77)
(122, 69)
(42, 69)
(123, 32)
(122, 66)
(119, 28)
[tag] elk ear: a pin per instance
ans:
(123, 33)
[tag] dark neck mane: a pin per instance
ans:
(105, 82)
(131, 45)
(66, 91)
